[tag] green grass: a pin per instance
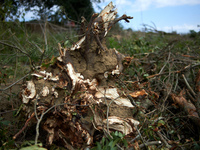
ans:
(20, 48)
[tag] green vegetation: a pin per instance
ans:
(21, 48)
(5, 141)
(111, 143)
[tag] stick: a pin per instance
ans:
(165, 64)
(179, 71)
(188, 85)
(13, 46)
(14, 83)
(99, 42)
(26, 124)
(163, 140)
(45, 40)
(124, 17)
(150, 143)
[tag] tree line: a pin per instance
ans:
(66, 9)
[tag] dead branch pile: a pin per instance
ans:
(171, 80)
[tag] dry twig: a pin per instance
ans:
(26, 124)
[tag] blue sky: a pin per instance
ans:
(167, 15)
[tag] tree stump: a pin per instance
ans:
(75, 99)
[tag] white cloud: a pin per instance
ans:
(164, 3)
(185, 28)
(142, 5)
(123, 2)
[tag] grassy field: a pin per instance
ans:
(164, 64)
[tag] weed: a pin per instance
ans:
(111, 143)
(6, 142)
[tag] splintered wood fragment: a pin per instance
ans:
(137, 94)
(112, 93)
(107, 9)
(123, 125)
(100, 25)
(107, 15)
(45, 91)
(83, 25)
(29, 92)
(77, 45)
(60, 50)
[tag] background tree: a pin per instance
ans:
(71, 9)
(74, 9)
(8, 8)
